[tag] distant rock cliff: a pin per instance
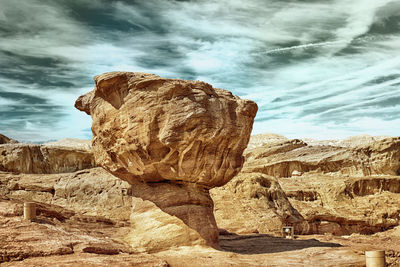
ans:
(339, 187)
(6, 140)
(280, 158)
(29, 158)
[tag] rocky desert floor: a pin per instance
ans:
(341, 197)
(60, 237)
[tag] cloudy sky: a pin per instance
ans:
(316, 68)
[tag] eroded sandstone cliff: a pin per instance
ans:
(254, 203)
(340, 187)
(30, 158)
(280, 158)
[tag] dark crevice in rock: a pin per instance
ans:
(322, 224)
(303, 195)
(373, 185)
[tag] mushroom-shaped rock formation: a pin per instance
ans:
(173, 140)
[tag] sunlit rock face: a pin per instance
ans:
(173, 140)
(351, 157)
(6, 140)
(43, 159)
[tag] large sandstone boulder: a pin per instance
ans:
(172, 140)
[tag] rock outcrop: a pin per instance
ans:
(71, 143)
(383, 156)
(255, 203)
(29, 158)
(92, 191)
(352, 141)
(61, 237)
(280, 158)
(6, 140)
(339, 187)
(343, 205)
(172, 140)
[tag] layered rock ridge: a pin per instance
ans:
(172, 140)
(44, 159)
(6, 140)
(338, 186)
(280, 158)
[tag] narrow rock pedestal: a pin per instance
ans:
(192, 221)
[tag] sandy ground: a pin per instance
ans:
(265, 250)
(59, 237)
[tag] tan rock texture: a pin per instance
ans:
(72, 143)
(172, 139)
(346, 186)
(90, 192)
(251, 202)
(6, 140)
(61, 237)
(352, 141)
(96, 192)
(30, 158)
(280, 158)
(65, 237)
(343, 205)
(84, 219)
(255, 203)
(153, 129)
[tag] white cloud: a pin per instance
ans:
(302, 61)
(5, 103)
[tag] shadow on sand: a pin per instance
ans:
(262, 243)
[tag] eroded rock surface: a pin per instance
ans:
(339, 187)
(172, 139)
(91, 192)
(61, 237)
(280, 158)
(255, 203)
(6, 140)
(91, 226)
(29, 158)
(344, 205)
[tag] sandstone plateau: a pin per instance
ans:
(172, 140)
(84, 216)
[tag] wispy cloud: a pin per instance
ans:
(315, 68)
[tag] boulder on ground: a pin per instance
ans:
(172, 140)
